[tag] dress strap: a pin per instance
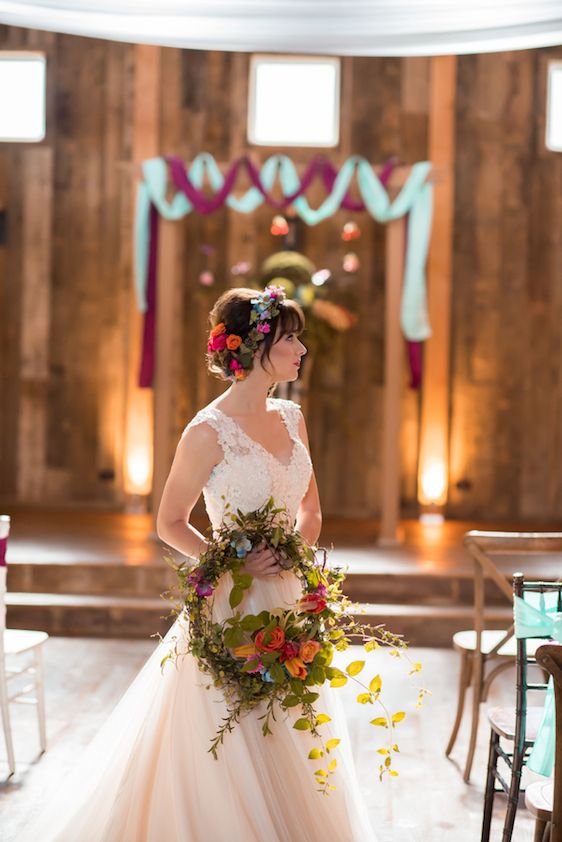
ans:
(291, 413)
(227, 430)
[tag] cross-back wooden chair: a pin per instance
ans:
(485, 653)
(543, 798)
(515, 728)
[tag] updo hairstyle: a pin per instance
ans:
(233, 309)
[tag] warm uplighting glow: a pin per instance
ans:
(139, 470)
(433, 482)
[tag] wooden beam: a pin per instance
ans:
(139, 429)
(390, 514)
(434, 427)
(166, 375)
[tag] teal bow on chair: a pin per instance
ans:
(541, 621)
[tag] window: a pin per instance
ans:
(22, 97)
(554, 107)
(294, 101)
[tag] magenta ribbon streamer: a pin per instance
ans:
(318, 166)
(3, 547)
(146, 374)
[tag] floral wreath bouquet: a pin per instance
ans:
(280, 657)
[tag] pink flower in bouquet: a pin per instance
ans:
(296, 668)
(277, 639)
(290, 650)
(257, 668)
(308, 649)
(203, 589)
(311, 604)
(321, 590)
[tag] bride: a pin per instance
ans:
(148, 775)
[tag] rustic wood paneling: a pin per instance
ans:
(506, 424)
(506, 394)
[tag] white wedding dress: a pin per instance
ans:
(148, 775)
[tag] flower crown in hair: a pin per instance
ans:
(237, 354)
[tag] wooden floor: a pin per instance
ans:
(428, 802)
(101, 574)
(63, 537)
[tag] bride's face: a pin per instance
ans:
(285, 358)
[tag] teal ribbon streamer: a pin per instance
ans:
(541, 620)
(415, 199)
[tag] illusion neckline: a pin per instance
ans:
(259, 444)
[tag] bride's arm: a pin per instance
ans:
(309, 516)
(197, 453)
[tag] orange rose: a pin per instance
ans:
(244, 651)
(296, 668)
(276, 640)
(308, 650)
(233, 342)
(240, 374)
(220, 328)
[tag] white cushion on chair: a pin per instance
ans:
(466, 641)
(502, 720)
(21, 640)
(539, 798)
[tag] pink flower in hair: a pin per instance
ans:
(264, 327)
(217, 343)
(235, 365)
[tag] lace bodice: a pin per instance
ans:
(248, 474)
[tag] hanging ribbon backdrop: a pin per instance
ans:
(414, 201)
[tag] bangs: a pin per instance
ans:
(291, 318)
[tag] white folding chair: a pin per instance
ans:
(15, 644)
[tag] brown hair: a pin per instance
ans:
(233, 309)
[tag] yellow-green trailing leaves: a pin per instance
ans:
(332, 744)
(376, 684)
(323, 718)
(315, 754)
(398, 717)
(302, 725)
(355, 668)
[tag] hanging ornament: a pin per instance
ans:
(319, 278)
(350, 231)
(279, 226)
(241, 268)
(206, 279)
(350, 262)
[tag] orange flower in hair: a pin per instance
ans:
(218, 329)
(233, 342)
(240, 374)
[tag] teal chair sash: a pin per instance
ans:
(537, 616)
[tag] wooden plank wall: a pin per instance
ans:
(65, 275)
(506, 391)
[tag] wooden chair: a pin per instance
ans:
(519, 724)
(15, 644)
(543, 798)
(485, 653)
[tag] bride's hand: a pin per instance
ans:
(261, 562)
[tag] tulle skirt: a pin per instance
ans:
(148, 775)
